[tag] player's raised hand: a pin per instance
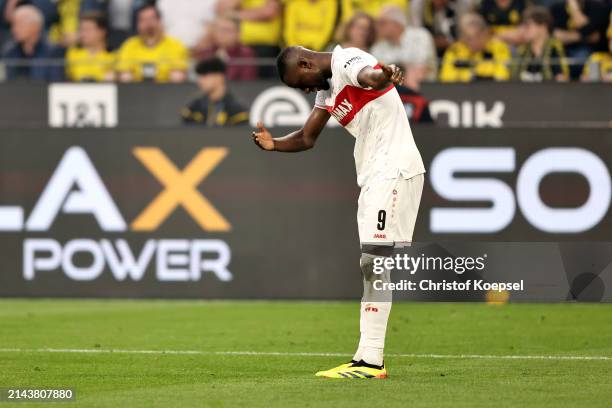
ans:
(262, 137)
(393, 73)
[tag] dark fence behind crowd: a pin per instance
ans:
(187, 212)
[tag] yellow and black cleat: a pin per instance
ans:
(352, 370)
(340, 367)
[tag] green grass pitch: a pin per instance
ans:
(281, 336)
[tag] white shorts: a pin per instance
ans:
(387, 210)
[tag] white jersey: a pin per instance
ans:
(384, 146)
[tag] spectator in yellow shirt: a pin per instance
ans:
(300, 28)
(476, 55)
(371, 7)
(65, 31)
(260, 27)
(90, 60)
(152, 55)
(599, 65)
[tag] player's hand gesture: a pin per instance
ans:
(393, 73)
(263, 138)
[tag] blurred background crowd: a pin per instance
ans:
(432, 40)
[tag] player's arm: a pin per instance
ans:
(300, 140)
(379, 79)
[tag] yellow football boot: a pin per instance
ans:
(340, 367)
(351, 370)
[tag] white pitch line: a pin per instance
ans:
(304, 354)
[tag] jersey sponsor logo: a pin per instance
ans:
(350, 61)
(383, 236)
(342, 109)
(351, 100)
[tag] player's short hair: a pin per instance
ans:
(282, 61)
(539, 15)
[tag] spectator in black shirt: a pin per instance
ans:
(581, 26)
(440, 18)
(504, 18)
(29, 54)
(217, 107)
(416, 105)
(542, 57)
(502, 15)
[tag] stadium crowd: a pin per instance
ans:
(433, 40)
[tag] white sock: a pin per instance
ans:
(375, 317)
(375, 309)
(361, 348)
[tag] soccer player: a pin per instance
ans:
(358, 91)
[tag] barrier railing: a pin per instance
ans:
(5, 64)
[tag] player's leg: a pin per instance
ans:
(396, 213)
(376, 230)
(407, 201)
(365, 211)
(375, 305)
(386, 217)
(374, 313)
